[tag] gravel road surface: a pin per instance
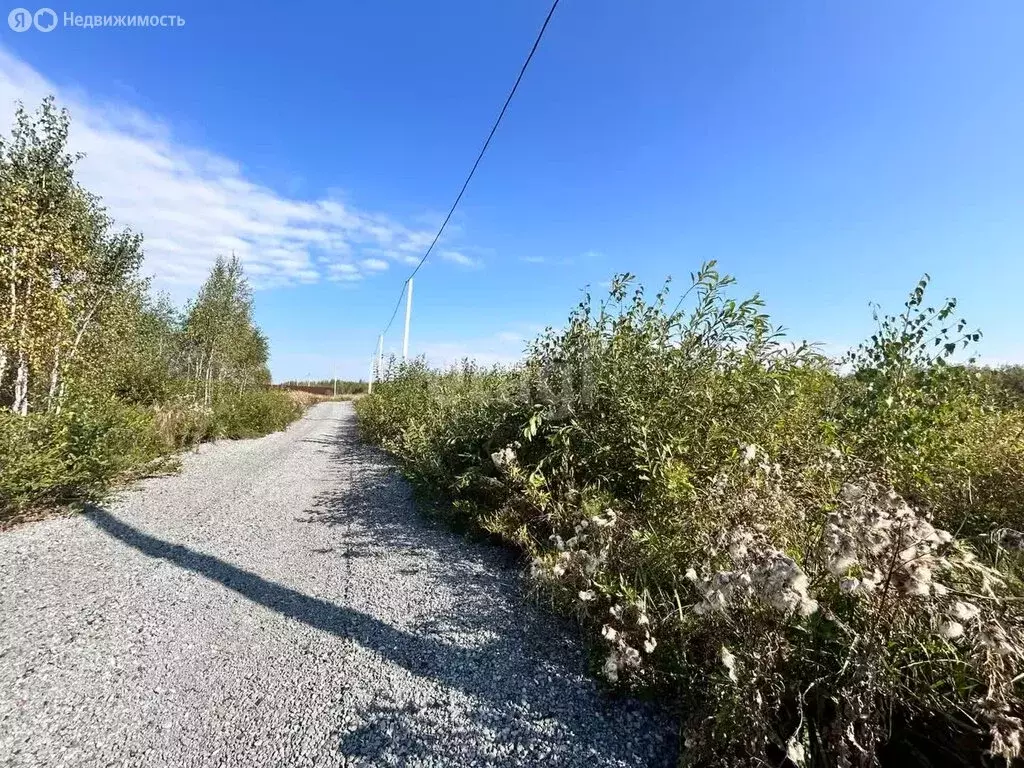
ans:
(281, 603)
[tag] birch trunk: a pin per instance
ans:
(51, 395)
(82, 329)
(20, 405)
(209, 379)
(4, 357)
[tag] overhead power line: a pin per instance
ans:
(479, 157)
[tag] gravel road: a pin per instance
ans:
(281, 603)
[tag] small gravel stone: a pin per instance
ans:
(281, 602)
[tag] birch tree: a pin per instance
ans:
(60, 265)
(40, 226)
(223, 345)
(74, 314)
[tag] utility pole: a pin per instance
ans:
(408, 315)
(376, 363)
(380, 355)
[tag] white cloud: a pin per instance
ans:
(342, 272)
(458, 257)
(564, 261)
(374, 265)
(192, 205)
(412, 259)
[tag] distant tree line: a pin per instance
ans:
(325, 386)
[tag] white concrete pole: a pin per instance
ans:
(380, 355)
(408, 315)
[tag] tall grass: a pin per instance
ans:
(805, 562)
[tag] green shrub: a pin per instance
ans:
(53, 459)
(182, 424)
(950, 438)
(1007, 384)
(741, 528)
(252, 413)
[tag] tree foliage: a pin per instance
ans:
(83, 342)
(75, 313)
(63, 267)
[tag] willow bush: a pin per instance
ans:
(810, 558)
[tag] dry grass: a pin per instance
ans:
(304, 399)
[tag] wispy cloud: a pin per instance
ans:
(341, 272)
(460, 258)
(564, 261)
(193, 205)
(412, 258)
(374, 265)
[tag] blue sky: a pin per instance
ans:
(827, 154)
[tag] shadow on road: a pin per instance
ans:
(491, 645)
(421, 655)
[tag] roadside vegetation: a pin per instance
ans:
(327, 387)
(99, 379)
(817, 560)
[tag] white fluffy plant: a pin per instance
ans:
(577, 565)
(878, 611)
(843, 617)
(928, 627)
